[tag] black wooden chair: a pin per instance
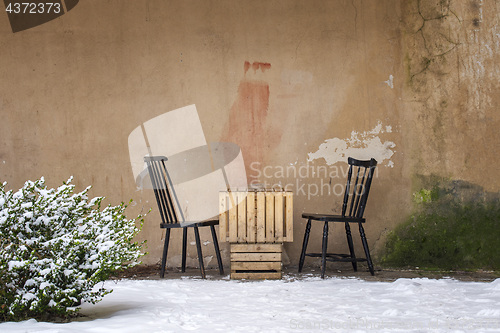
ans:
(166, 199)
(353, 207)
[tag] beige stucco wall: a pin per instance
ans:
(293, 83)
(451, 95)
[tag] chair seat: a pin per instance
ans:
(205, 223)
(332, 218)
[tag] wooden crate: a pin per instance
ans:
(256, 261)
(252, 217)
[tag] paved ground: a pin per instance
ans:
(290, 272)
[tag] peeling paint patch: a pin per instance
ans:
(363, 145)
(390, 82)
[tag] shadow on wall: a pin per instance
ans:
(29, 14)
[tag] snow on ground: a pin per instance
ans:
(288, 305)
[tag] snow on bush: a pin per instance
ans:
(55, 246)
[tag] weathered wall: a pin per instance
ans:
(451, 95)
(298, 85)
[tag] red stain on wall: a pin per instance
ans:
(247, 66)
(247, 119)
(263, 66)
(250, 108)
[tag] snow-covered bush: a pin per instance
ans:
(55, 246)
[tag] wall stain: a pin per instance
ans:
(247, 124)
(263, 66)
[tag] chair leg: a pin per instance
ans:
(367, 250)
(304, 245)
(165, 251)
(351, 246)
(323, 250)
(184, 246)
(217, 251)
(200, 254)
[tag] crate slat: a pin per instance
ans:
(245, 256)
(241, 198)
(256, 275)
(270, 217)
(256, 265)
(278, 217)
(251, 218)
(233, 218)
(256, 247)
(261, 217)
(222, 216)
(288, 217)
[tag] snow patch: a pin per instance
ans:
(44, 285)
(16, 264)
(29, 296)
(307, 304)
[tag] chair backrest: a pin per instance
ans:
(163, 188)
(356, 194)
